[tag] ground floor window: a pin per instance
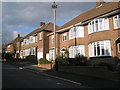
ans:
(73, 50)
(32, 50)
(118, 47)
(51, 54)
(99, 48)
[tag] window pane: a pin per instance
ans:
(102, 48)
(98, 48)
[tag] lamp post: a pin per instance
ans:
(75, 40)
(54, 6)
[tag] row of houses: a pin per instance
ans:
(94, 33)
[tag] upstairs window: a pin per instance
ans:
(36, 38)
(76, 32)
(64, 37)
(116, 21)
(40, 36)
(52, 39)
(8, 46)
(26, 41)
(32, 39)
(98, 25)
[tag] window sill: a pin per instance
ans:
(99, 56)
(116, 28)
(98, 31)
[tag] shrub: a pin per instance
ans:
(108, 65)
(81, 60)
(9, 55)
(43, 61)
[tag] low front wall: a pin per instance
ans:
(46, 66)
(97, 71)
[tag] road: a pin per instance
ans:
(13, 77)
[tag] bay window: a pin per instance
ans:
(32, 51)
(73, 50)
(116, 21)
(76, 32)
(51, 54)
(98, 25)
(99, 48)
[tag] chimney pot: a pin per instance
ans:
(18, 35)
(99, 2)
(42, 23)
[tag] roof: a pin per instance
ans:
(17, 39)
(95, 12)
(46, 27)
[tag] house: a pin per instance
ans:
(36, 43)
(95, 33)
(14, 46)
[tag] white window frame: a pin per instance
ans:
(93, 48)
(76, 32)
(64, 37)
(9, 46)
(36, 38)
(73, 50)
(102, 26)
(40, 36)
(118, 46)
(52, 39)
(51, 54)
(117, 19)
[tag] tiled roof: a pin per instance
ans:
(95, 12)
(47, 27)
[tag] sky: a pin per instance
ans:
(24, 17)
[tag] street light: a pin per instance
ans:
(54, 6)
(75, 39)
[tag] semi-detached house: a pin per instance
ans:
(94, 33)
(37, 43)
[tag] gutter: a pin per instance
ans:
(83, 23)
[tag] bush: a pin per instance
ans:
(81, 60)
(43, 61)
(9, 55)
(108, 65)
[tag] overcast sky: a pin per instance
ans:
(24, 17)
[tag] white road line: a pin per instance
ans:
(62, 79)
(56, 77)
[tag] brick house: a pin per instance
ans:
(95, 33)
(36, 43)
(14, 46)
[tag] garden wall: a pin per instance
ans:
(94, 71)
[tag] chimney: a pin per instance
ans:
(18, 35)
(99, 2)
(42, 23)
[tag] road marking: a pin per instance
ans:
(58, 83)
(56, 77)
(62, 79)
